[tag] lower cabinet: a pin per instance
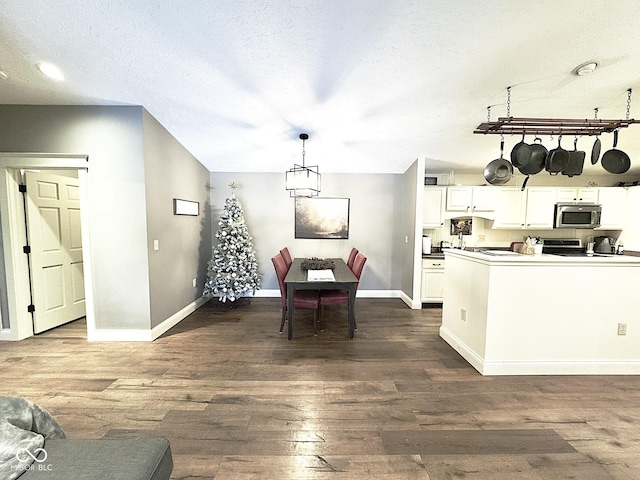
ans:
(432, 290)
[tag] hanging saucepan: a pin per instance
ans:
(595, 151)
(500, 170)
(557, 159)
(614, 160)
(521, 154)
(537, 161)
(575, 164)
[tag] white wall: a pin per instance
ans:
(374, 222)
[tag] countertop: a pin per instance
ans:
(506, 257)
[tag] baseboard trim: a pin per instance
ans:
(177, 317)
(411, 303)
(7, 335)
(141, 335)
(540, 367)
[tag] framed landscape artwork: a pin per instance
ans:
(322, 218)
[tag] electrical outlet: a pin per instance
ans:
(481, 238)
(463, 314)
(622, 329)
(194, 283)
(156, 245)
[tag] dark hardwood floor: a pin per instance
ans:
(238, 401)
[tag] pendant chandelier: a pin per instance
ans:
(303, 181)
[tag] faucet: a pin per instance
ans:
(460, 241)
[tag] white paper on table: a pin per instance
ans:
(320, 276)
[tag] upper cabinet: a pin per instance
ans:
(540, 207)
(433, 209)
(510, 208)
(614, 207)
(581, 195)
(471, 200)
(530, 209)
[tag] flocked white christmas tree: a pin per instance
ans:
(233, 271)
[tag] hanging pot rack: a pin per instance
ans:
(551, 126)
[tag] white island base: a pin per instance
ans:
(543, 314)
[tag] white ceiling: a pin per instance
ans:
(375, 83)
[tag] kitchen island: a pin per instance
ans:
(511, 314)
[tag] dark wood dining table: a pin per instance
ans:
(296, 279)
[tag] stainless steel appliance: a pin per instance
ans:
(577, 215)
(604, 244)
(568, 247)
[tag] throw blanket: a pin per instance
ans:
(23, 428)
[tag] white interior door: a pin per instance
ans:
(53, 228)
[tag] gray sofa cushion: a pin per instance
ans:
(104, 459)
(24, 426)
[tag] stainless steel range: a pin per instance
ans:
(568, 247)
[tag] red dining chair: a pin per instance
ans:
(352, 257)
(287, 257)
(301, 298)
(341, 297)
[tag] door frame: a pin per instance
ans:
(16, 273)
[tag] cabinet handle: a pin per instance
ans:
(436, 264)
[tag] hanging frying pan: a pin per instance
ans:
(521, 154)
(595, 151)
(500, 170)
(614, 160)
(575, 164)
(557, 159)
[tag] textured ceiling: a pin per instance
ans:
(375, 83)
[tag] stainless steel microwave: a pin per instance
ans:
(577, 215)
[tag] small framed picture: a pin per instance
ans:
(461, 226)
(185, 207)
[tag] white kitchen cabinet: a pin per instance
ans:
(432, 290)
(471, 199)
(580, 195)
(531, 209)
(540, 208)
(433, 207)
(510, 208)
(631, 232)
(614, 207)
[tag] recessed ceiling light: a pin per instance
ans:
(51, 71)
(3, 75)
(585, 68)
